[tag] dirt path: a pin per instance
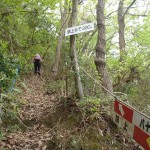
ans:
(50, 124)
(37, 104)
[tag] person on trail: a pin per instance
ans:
(37, 64)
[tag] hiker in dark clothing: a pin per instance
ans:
(37, 64)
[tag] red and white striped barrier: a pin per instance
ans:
(133, 122)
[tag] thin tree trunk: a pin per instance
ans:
(88, 41)
(121, 22)
(45, 53)
(78, 84)
(121, 29)
(100, 60)
(60, 40)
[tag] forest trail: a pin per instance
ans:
(48, 123)
(36, 105)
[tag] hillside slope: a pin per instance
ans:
(48, 122)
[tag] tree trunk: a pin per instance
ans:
(88, 41)
(60, 40)
(100, 60)
(121, 22)
(121, 29)
(78, 84)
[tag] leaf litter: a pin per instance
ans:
(49, 123)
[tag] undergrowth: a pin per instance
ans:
(83, 125)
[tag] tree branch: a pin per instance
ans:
(110, 13)
(129, 7)
(137, 15)
(88, 41)
(111, 36)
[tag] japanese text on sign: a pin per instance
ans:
(136, 124)
(79, 29)
(121, 122)
(142, 122)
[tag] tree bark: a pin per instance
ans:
(100, 60)
(121, 28)
(60, 40)
(78, 84)
(121, 22)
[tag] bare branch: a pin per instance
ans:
(129, 7)
(88, 41)
(137, 15)
(110, 13)
(111, 36)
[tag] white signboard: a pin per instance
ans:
(79, 29)
(121, 122)
(142, 122)
(133, 122)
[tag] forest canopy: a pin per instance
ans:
(38, 26)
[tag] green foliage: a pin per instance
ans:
(55, 86)
(91, 108)
(1, 134)
(7, 68)
(10, 105)
(30, 27)
(90, 99)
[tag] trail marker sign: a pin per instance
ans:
(136, 124)
(79, 29)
